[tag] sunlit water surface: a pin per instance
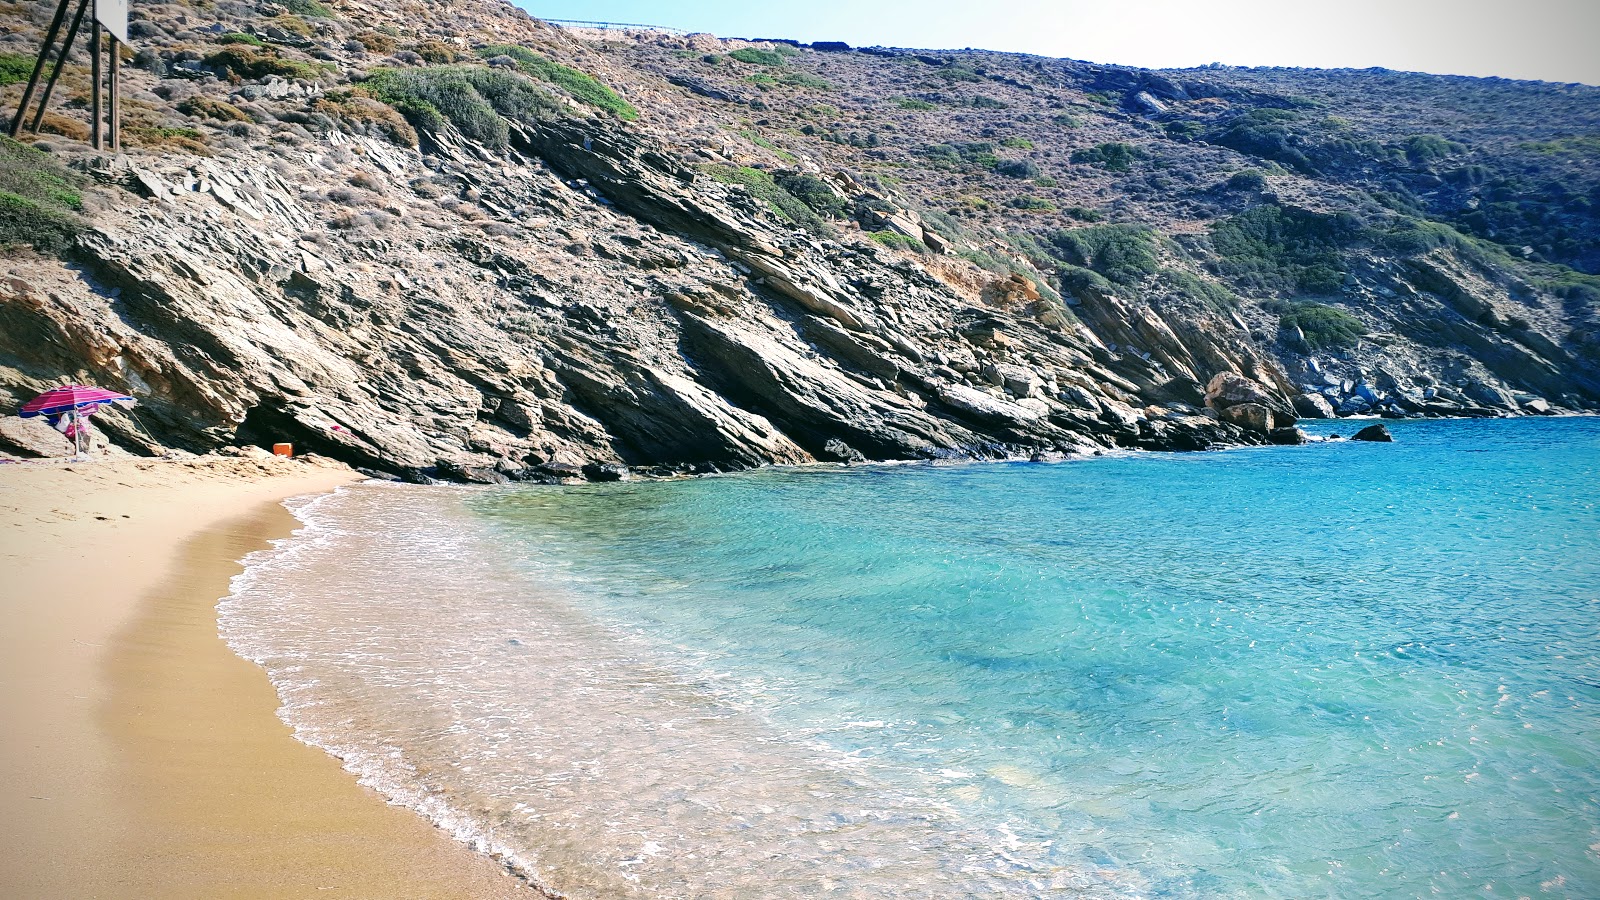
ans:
(1345, 670)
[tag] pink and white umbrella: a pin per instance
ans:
(69, 408)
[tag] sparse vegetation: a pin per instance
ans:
(239, 37)
(208, 108)
(1124, 254)
(910, 103)
(310, 8)
(766, 189)
(39, 200)
(898, 241)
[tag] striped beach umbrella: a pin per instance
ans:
(70, 398)
(69, 407)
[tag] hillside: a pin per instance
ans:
(442, 239)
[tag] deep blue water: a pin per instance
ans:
(1343, 670)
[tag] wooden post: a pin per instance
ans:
(61, 63)
(116, 95)
(38, 67)
(96, 82)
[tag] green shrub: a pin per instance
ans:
(1125, 254)
(472, 98)
(243, 61)
(982, 102)
(1045, 181)
(1423, 149)
(1017, 143)
(239, 37)
(15, 68)
(582, 86)
(39, 199)
(905, 103)
(1249, 180)
(766, 189)
(1083, 213)
(804, 80)
(1113, 156)
(208, 108)
(1032, 204)
(969, 155)
(1325, 327)
(1184, 131)
(958, 72)
(898, 241)
(1067, 121)
(1017, 168)
(757, 57)
(1271, 248)
(813, 192)
(308, 8)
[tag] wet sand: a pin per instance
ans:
(142, 758)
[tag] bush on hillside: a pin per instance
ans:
(1017, 168)
(1271, 248)
(472, 98)
(582, 86)
(39, 200)
(1325, 327)
(813, 192)
(1124, 254)
(241, 62)
(15, 68)
(757, 57)
(1113, 156)
(766, 189)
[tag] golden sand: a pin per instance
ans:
(140, 757)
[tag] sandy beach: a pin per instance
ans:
(141, 757)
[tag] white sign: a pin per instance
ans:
(113, 15)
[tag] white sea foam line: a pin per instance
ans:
(374, 770)
(386, 769)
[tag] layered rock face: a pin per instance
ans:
(582, 300)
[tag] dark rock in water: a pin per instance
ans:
(559, 469)
(600, 471)
(1313, 406)
(1376, 433)
(448, 470)
(838, 451)
(378, 474)
(1287, 437)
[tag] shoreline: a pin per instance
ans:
(142, 756)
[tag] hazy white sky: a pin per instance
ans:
(1550, 40)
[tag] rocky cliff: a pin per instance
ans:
(446, 240)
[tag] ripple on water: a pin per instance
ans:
(1341, 670)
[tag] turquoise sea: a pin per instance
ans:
(1342, 670)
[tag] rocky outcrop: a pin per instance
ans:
(1373, 433)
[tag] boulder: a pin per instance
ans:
(1354, 406)
(32, 438)
(1375, 433)
(1538, 406)
(1489, 395)
(1313, 406)
(1253, 416)
(1227, 389)
(605, 471)
(1287, 437)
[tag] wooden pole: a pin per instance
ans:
(116, 95)
(61, 63)
(38, 67)
(96, 80)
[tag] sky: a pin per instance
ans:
(1546, 40)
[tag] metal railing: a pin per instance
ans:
(614, 26)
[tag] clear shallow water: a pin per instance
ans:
(1343, 670)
